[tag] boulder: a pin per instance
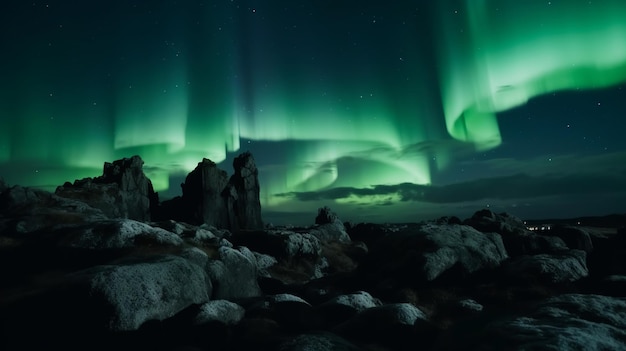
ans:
(124, 296)
(425, 253)
(399, 326)
(574, 237)
(220, 311)
(123, 190)
(517, 239)
(343, 307)
(319, 341)
(234, 274)
(116, 234)
(564, 267)
(281, 244)
(329, 227)
(566, 322)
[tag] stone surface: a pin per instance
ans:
(234, 275)
(517, 239)
(567, 266)
(211, 197)
(424, 253)
(221, 311)
(566, 322)
(123, 190)
(135, 293)
(117, 234)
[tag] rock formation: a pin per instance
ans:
(123, 190)
(210, 197)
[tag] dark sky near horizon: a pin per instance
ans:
(385, 112)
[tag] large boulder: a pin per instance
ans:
(124, 296)
(566, 322)
(564, 267)
(123, 190)
(234, 274)
(425, 253)
(517, 239)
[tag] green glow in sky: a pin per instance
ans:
(344, 104)
(499, 54)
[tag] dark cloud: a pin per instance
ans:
(518, 186)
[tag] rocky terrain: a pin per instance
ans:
(101, 264)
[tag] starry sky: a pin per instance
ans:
(385, 112)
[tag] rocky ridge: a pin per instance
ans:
(85, 268)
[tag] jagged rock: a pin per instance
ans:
(567, 266)
(116, 234)
(234, 275)
(202, 195)
(415, 255)
(124, 296)
(517, 239)
(566, 322)
(243, 196)
(210, 197)
(123, 190)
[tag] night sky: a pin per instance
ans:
(384, 111)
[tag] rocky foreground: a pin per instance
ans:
(101, 264)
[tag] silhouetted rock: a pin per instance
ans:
(242, 194)
(25, 210)
(123, 190)
(517, 239)
(211, 197)
(574, 237)
(329, 227)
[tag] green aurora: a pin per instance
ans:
(344, 98)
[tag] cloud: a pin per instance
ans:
(517, 186)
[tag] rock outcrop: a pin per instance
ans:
(211, 197)
(123, 190)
